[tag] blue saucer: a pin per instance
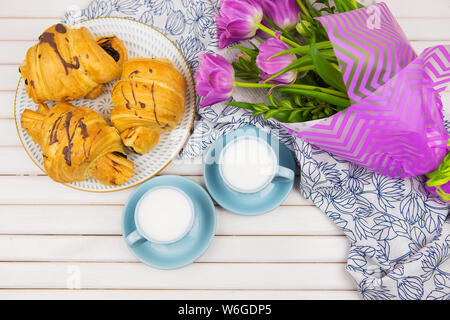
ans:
(248, 204)
(193, 245)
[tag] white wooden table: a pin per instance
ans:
(51, 236)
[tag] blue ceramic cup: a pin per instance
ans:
(267, 171)
(140, 234)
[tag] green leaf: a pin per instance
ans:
(286, 104)
(360, 5)
(269, 114)
(243, 105)
(311, 10)
(271, 99)
(352, 4)
(328, 111)
(339, 6)
(347, 5)
(328, 53)
(250, 52)
(298, 100)
(294, 114)
(283, 116)
(306, 113)
(325, 70)
(316, 111)
(337, 101)
(254, 46)
(243, 65)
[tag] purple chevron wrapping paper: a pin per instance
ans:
(395, 124)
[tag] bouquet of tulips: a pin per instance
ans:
(342, 77)
(289, 54)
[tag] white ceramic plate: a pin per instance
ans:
(141, 41)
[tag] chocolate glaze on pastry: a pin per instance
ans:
(77, 144)
(49, 38)
(106, 45)
(60, 28)
(148, 100)
(68, 64)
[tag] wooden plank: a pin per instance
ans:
(419, 46)
(13, 52)
(14, 160)
(9, 77)
(285, 220)
(74, 294)
(6, 103)
(8, 133)
(418, 8)
(425, 29)
(225, 276)
(223, 249)
(42, 190)
(415, 28)
(32, 8)
(24, 28)
(57, 8)
(106, 220)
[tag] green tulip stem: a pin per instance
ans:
(332, 99)
(324, 45)
(292, 86)
(272, 33)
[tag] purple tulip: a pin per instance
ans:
(270, 66)
(237, 20)
(214, 79)
(283, 12)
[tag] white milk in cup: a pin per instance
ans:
(164, 215)
(248, 164)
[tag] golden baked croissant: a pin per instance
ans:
(148, 100)
(77, 144)
(68, 64)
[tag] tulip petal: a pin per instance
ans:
(211, 99)
(220, 81)
(272, 65)
(237, 20)
(214, 79)
(283, 13)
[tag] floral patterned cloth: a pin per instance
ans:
(399, 235)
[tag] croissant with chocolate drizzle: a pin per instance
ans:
(148, 99)
(68, 64)
(77, 144)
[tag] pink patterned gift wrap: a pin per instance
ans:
(395, 124)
